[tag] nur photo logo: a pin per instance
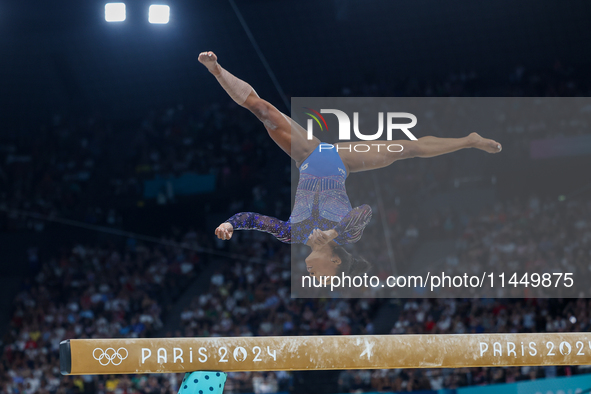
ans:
(345, 124)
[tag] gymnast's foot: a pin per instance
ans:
(210, 60)
(490, 146)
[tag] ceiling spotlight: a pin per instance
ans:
(159, 13)
(115, 12)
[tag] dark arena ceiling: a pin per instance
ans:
(63, 57)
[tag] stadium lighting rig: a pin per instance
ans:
(115, 12)
(157, 13)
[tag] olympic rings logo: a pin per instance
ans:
(109, 356)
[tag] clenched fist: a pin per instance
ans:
(224, 231)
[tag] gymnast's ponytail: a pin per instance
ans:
(351, 265)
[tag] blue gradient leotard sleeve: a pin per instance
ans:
(255, 221)
(350, 229)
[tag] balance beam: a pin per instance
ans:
(164, 355)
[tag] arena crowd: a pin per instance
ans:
(88, 170)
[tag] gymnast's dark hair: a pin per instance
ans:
(350, 264)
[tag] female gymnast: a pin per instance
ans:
(322, 217)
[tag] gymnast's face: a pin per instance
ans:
(323, 262)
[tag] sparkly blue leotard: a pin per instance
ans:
(321, 202)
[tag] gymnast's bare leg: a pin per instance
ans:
(290, 136)
(380, 156)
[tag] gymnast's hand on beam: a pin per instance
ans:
(224, 231)
(210, 60)
(320, 238)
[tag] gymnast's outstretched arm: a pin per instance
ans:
(254, 221)
(290, 136)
